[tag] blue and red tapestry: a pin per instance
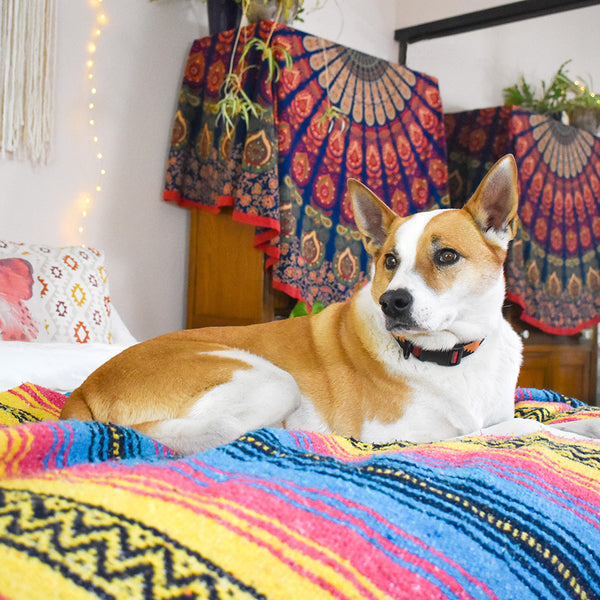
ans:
(553, 269)
(286, 172)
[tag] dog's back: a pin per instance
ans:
(421, 353)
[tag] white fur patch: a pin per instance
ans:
(451, 401)
(258, 397)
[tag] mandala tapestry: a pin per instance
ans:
(553, 268)
(285, 173)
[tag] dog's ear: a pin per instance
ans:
(494, 204)
(373, 218)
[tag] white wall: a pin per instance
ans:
(365, 25)
(139, 64)
(474, 67)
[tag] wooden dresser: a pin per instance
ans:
(566, 364)
(227, 282)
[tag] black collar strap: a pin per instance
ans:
(445, 358)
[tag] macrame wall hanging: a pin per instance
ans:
(27, 60)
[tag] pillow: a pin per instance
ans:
(50, 294)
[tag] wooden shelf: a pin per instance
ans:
(227, 284)
(227, 280)
(498, 15)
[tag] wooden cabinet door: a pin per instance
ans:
(227, 282)
(567, 369)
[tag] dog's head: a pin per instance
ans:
(439, 274)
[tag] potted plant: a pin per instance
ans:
(284, 11)
(562, 95)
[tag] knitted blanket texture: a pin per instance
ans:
(90, 510)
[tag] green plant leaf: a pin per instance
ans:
(301, 310)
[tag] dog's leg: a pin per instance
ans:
(261, 396)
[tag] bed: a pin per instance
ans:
(92, 510)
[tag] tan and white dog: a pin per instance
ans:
(421, 353)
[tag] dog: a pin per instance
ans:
(421, 353)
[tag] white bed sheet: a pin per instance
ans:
(58, 366)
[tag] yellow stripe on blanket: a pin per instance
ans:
(36, 581)
(28, 403)
(240, 540)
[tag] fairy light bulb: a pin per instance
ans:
(87, 200)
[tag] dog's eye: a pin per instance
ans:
(391, 262)
(446, 256)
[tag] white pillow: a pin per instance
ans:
(50, 294)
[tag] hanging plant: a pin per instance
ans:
(286, 11)
(235, 103)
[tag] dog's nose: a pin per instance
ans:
(396, 303)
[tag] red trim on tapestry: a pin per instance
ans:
(261, 240)
(174, 196)
(257, 221)
(225, 201)
(289, 290)
(549, 328)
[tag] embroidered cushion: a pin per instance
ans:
(50, 294)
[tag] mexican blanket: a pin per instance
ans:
(90, 510)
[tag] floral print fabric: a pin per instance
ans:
(286, 172)
(553, 267)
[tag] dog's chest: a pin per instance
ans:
(445, 402)
(438, 407)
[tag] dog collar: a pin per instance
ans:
(445, 358)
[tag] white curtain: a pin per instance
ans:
(27, 61)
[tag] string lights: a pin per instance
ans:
(584, 90)
(86, 200)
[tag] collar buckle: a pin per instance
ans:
(455, 355)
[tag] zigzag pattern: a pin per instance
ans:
(109, 554)
(19, 415)
(97, 511)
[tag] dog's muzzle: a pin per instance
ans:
(396, 306)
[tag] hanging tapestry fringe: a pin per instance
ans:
(27, 64)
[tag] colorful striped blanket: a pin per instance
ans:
(89, 510)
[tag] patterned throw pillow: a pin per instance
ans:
(50, 294)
